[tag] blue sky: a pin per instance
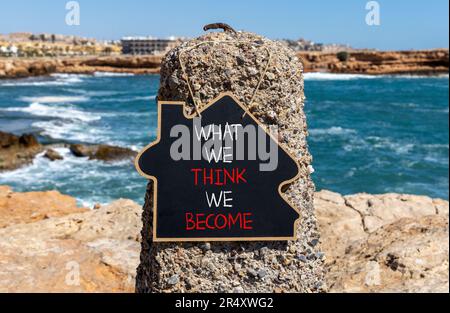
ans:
(405, 24)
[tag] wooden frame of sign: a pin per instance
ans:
(139, 164)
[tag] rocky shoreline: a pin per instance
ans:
(370, 243)
(422, 62)
(425, 62)
(18, 151)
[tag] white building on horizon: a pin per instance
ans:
(140, 45)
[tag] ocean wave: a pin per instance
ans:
(371, 143)
(40, 83)
(95, 178)
(69, 76)
(112, 74)
(54, 80)
(333, 131)
(334, 76)
(399, 147)
(338, 76)
(72, 131)
(418, 76)
(108, 95)
(153, 97)
(55, 99)
(93, 93)
(78, 131)
(436, 146)
(128, 99)
(433, 158)
(40, 109)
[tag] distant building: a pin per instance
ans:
(302, 45)
(8, 51)
(334, 48)
(308, 45)
(147, 45)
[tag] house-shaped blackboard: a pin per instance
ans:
(208, 199)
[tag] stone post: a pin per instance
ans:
(237, 65)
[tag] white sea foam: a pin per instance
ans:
(436, 146)
(95, 175)
(38, 83)
(337, 76)
(112, 74)
(411, 76)
(67, 112)
(388, 143)
(333, 131)
(55, 99)
(68, 76)
(93, 93)
(153, 97)
(79, 131)
(54, 80)
(129, 99)
(333, 76)
(72, 130)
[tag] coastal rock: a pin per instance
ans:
(377, 211)
(29, 67)
(52, 155)
(128, 62)
(29, 207)
(339, 224)
(421, 62)
(16, 151)
(102, 152)
(39, 68)
(98, 250)
(409, 255)
(425, 62)
(384, 243)
(94, 251)
(234, 67)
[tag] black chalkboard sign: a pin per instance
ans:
(218, 176)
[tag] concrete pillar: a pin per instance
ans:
(236, 66)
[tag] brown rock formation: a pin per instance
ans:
(17, 151)
(384, 243)
(102, 152)
(29, 207)
(423, 62)
(409, 255)
(52, 155)
(19, 68)
(98, 250)
(95, 251)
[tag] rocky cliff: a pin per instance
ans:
(371, 243)
(16, 151)
(75, 250)
(424, 62)
(23, 67)
(384, 243)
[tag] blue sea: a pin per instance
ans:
(367, 134)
